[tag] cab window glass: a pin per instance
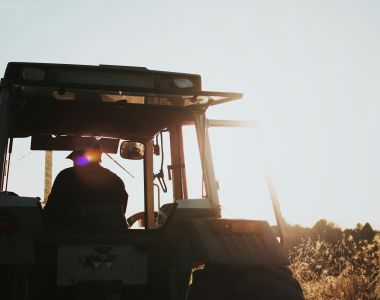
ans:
(27, 172)
(239, 169)
(192, 163)
(133, 185)
(163, 190)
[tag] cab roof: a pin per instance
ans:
(105, 83)
(104, 100)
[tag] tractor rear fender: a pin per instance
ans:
(20, 223)
(237, 242)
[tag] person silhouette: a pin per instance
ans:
(85, 184)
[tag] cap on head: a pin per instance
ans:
(73, 155)
(86, 154)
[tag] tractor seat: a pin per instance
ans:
(96, 218)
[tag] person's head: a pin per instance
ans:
(86, 155)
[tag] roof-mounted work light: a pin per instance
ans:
(183, 83)
(32, 73)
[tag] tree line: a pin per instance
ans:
(327, 231)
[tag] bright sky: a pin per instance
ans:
(309, 70)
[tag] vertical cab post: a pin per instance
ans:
(182, 165)
(209, 178)
(177, 168)
(4, 119)
(175, 158)
(148, 186)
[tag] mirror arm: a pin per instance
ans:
(161, 180)
(119, 165)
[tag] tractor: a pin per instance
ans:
(170, 243)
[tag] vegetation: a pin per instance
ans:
(334, 264)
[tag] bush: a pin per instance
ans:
(345, 269)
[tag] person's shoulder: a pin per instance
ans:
(105, 170)
(110, 173)
(66, 171)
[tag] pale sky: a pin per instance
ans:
(309, 71)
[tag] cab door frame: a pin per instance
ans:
(4, 134)
(271, 187)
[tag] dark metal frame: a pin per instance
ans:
(134, 91)
(12, 80)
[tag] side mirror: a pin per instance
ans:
(132, 150)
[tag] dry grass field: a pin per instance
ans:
(344, 269)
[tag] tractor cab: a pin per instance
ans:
(153, 131)
(60, 107)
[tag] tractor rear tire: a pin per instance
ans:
(243, 283)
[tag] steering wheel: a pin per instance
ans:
(139, 216)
